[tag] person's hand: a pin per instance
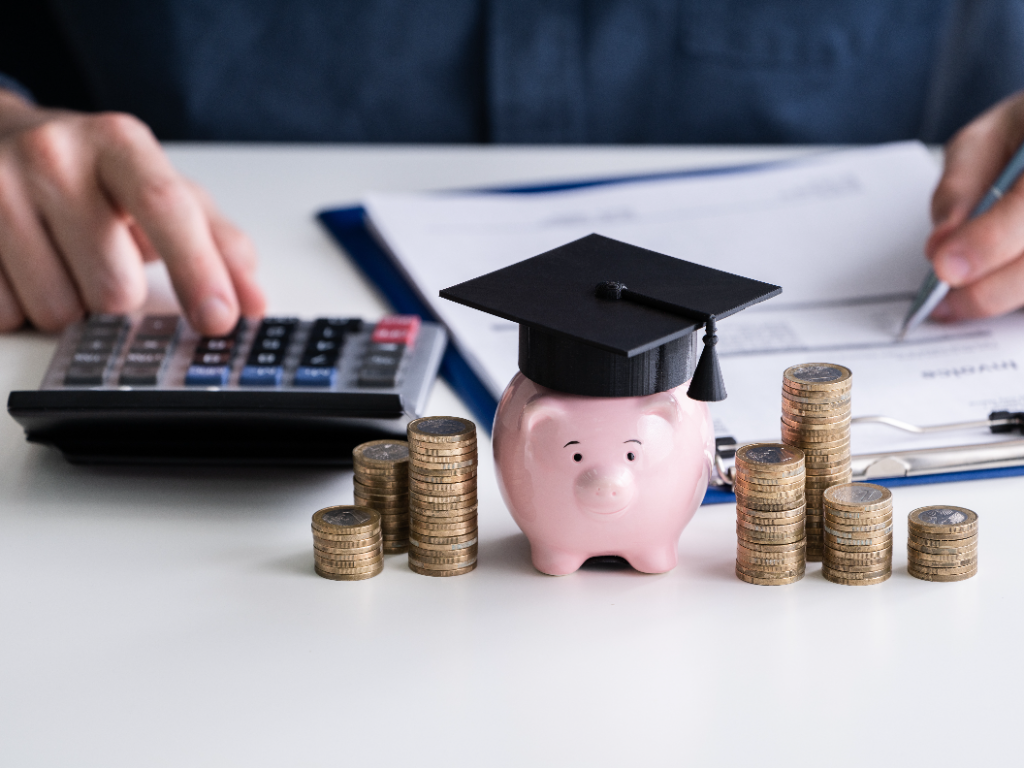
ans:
(982, 259)
(85, 200)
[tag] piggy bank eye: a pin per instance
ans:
(577, 457)
(630, 456)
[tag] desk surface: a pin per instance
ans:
(172, 616)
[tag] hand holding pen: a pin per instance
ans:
(977, 245)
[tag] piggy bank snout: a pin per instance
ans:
(605, 490)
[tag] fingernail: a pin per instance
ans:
(942, 312)
(955, 268)
(214, 313)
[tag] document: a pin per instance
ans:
(842, 232)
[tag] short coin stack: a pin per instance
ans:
(442, 496)
(816, 419)
(347, 543)
(770, 538)
(858, 534)
(382, 483)
(942, 543)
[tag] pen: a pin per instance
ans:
(933, 290)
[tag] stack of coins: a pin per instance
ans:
(858, 534)
(442, 496)
(347, 543)
(942, 543)
(382, 483)
(770, 538)
(816, 419)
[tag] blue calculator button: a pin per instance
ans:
(207, 375)
(311, 376)
(261, 376)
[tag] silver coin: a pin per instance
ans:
(441, 425)
(942, 516)
(816, 372)
(346, 517)
(856, 493)
(770, 454)
(384, 451)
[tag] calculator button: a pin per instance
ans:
(397, 329)
(215, 344)
(150, 345)
(315, 376)
(90, 358)
(84, 375)
(261, 376)
(92, 344)
(139, 375)
(144, 358)
(207, 375)
(378, 376)
(157, 327)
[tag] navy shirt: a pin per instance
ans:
(607, 71)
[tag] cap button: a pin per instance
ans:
(610, 289)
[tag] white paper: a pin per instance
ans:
(841, 232)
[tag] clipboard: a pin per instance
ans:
(351, 228)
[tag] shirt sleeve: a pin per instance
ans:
(10, 84)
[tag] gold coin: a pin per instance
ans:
(443, 451)
(328, 560)
(452, 572)
(348, 576)
(441, 429)
(419, 562)
(831, 451)
(933, 569)
(769, 521)
(943, 561)
(322, 567)
(930, 549)
(855, 570)
(942, 577)
(769, 548)
(448, 516)
(808, 440)
(811, 400)
(381, 453)
(771, 484)
(444, 547)
(378, 482)
(327, 547)
(457, 484)
(853, 531)
(359, 539)
(459, 530)
(443, 541)
(763, 537)
(832, 429)
(855, 545)
(398, 549)
(839, 578)
(771, 514)
(769, 578)
(812, 413)
(759, 505)
(842, 558)
(427, 557)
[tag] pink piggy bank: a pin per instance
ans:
(588, 476)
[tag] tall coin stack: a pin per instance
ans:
(770, 537)
(816, 419)
(942, 543)
(382, 483)
(347, 543)
(442, 496)
(858, 534)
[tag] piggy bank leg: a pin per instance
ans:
(653, 560)
(555, 562)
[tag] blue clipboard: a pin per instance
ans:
(350, 228)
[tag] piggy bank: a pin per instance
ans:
(588, 476)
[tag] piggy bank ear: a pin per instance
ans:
(538, 411)
(661, 404)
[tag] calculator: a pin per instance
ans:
(276, 390)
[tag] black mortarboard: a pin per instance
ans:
(603, 318)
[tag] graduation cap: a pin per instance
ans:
(603, 318)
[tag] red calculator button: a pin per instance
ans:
(397, 329)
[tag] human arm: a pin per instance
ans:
(982, 259)
(85, 201)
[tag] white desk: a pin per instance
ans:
(172, 616)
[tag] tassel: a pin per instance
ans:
(707, 383)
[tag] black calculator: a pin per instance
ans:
(276, 390)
